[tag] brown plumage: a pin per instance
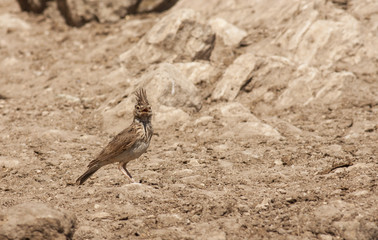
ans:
(128, 144)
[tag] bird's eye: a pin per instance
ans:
(137, 107)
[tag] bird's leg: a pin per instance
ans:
(122, 168)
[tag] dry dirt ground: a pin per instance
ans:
(196, 182)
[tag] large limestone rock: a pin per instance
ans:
(36, 221)
(279, 83)
(236, 75)
(199, 73)
(240, 123)
(181, 36)
(170, 87)
(313, 88)
(339, 41)
(268, 14)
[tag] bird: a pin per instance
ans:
(127, 145)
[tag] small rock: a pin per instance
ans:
(69, 98)
(155, 5)
(10, 22)
(180, 36)
(234, 111)
(183, 173)
(325, 237)
(168, 219)
(113, 10)
(264, 204)
(8, 162)
(9, 61)
(230, 34)
(203, 120)
(360, 193)
(221, 148)
(101, 215)
(333, 150)
(278, 162)
(36, 221)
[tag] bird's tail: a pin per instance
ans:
(87, 174)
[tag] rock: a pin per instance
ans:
(246, 130)
(7, 162)
(327, 41)
(333, 150)
(277, 83)
(367, 11)
(170, 116)
(36, 221)
(136, 190)
(235, 111)
(170, 87)
(36, 6)
(112, 11)
(315, 88)
(270, 76)
(264, 204)
(230, 34)
(198, 72)
(208, 231)
(155, 5)
(135, 29)
(204, 120)
(167, 220)
(286, 128)
(339, 41)
(181, 36)
(240, 123)
(236, 75)
(342, 219)
(78, 12)
(9, 61)
(69, 98)
(266, 14)
(9, 22)
(101, 215)
(52, 135)
(117, 79)
(362, 128)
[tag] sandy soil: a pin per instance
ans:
(194, 183)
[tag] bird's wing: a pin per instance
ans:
(120, 143)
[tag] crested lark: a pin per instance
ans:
(128, 144)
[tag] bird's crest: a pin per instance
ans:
(141, 96)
